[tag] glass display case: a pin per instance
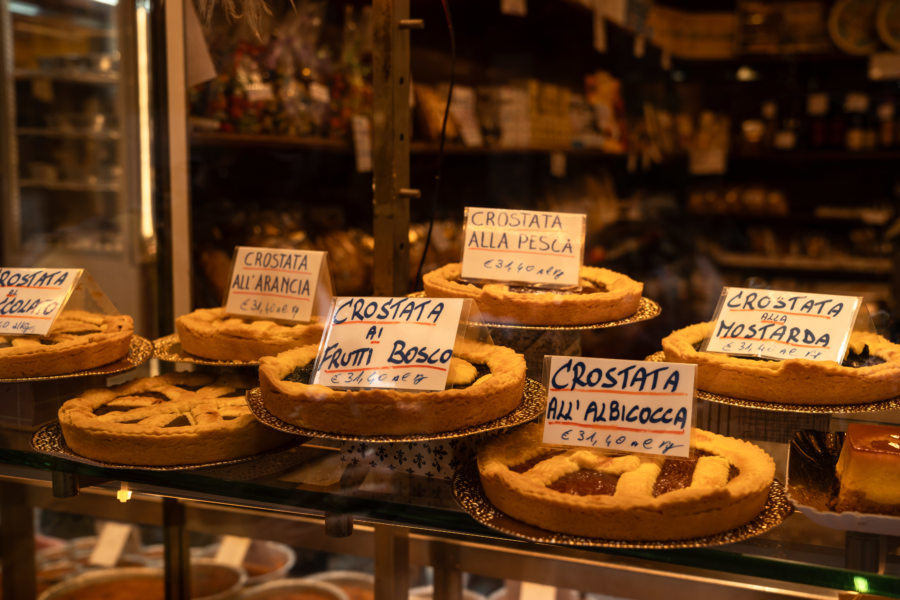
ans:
(329, 125)
(76, 138)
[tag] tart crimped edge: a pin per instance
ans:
(620, 300)
(789, 381)
(387, 411)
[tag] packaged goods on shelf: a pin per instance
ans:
(292, 83)
(689, 34)
(527, 114)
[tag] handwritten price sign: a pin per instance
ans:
(522, 246)
(30, 299)
(403, 343)
(627, 405)
(274, 283)
(778, 324)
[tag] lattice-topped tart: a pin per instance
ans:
(870, 372)
(589, 492)
(173, 419)
(211, 333)
(77, 341)
(604, 296)
(485, 383)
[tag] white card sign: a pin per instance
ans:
(778, 324)
(274, 283)
(114, 540)
(403, 343)
(30, 299)
(626, 405)
(232, 550)
(523, 246)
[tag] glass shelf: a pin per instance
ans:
(68, 133)
(314, 481)
(86, 77)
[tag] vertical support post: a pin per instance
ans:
(177, 559)
(179, 163)
(16, 543)
(865, 551)
(448, 579)
(391, 126)
(11, 214)
(391, 562)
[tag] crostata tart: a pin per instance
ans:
(485, 383)
(211, 333)
(589, 492)
(604, 296)
(870, 372)
(173, 419)
(77, 341)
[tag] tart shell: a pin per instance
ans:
(141, 444)
(790, 381)
(381, 411)
(500, 305)
(211, 333)
(70, 353)
(679, 514)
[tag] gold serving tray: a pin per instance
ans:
(531, 406)
(138, 353)
(471, 497)
(647, 309)
(168, 348)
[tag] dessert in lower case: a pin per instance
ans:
(485, 383)
(213, 334)
(588, 492)
(77, 341)
(173, 419)
(604, 296)
(868, 469)
(870, 372)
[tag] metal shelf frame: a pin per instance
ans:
(394, 548)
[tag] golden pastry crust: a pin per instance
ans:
(378, 411)
(77, 341)
(211, 333)
(712, 503)
(173, 419)
(619, 298)
(790, 381)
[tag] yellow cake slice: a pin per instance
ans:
(868, 469)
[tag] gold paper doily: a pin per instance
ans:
(862, 407)
(647, 309)
(471, 497)
(139, 352)
(168, 348)
(49, 440)
(531, 406)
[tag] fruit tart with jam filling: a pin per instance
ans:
(172, 419)
(723, 484)
(212, 333)
(604, 296)
(485, 382)
(870, 372)
(78, 340)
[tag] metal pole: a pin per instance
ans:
(391, 562)
(391, 127)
